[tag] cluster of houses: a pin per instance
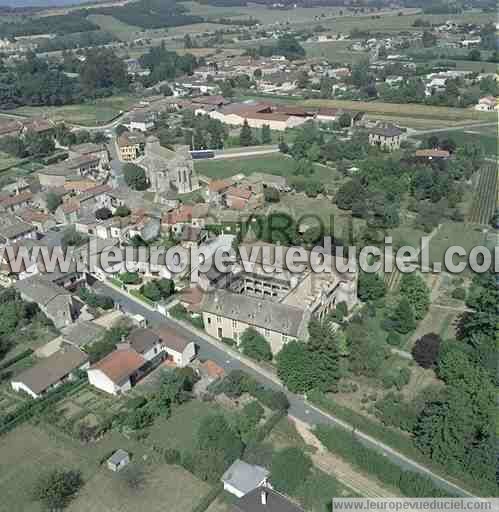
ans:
(142, 351)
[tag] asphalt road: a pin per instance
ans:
(299, 408)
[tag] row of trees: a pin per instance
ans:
(34, 81)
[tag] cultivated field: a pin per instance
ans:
(485, 196)
(409, 110)
(94, 113)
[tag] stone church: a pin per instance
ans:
(168, 171)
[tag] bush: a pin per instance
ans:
(130, 278)
(172, 456)
(394, 339)
(228, 341)
(57, 488)
(344, 444)
(254, 345)
(459, 293)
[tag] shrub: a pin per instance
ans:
(130, 278)
(57, 488)
(254, 345)
(394, 339)
(228, 341)
(459, 293)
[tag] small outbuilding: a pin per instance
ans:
(118, 460)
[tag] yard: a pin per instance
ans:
(180, 430)
(29, 451)
(92, 113)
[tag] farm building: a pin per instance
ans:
(118, 460)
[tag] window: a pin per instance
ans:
(209, 320)
(267, 333)
(234, 324)
(219, 319)
(284, 338)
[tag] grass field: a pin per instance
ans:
(180, 430)
(454, 234)
(7, 161)
(334, 51)
(98, 112)
(274, 163)
(402, 110)
(486, 136)
(441, 321)
(29, 451)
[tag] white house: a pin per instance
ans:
(242, 478)
(486, 104)
(117, 372)
(180, 350)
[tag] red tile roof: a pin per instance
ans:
(218, 185)
(120, 364)
(241, 193)
(17, 199)
(171, 339)
(432, 153)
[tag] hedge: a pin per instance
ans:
(345, 444)
(33, 407)
(13, 360)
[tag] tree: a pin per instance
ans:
(257, 74)
(371, 286)
(187, 42)
(56, 488)
(290, 468)
(266, 134)
(254, 345)
(475, 55)
(216, 435)
(53, 201)
(135, 177)
(103, 214)
(413, 287)
(426, 350)
(348, 193)
(403, 317)
(122, 211)
(120, 130)
(429, 39)
(365, 341)
(245, 135)
(345, 120)
(297, 368)
(151, 291)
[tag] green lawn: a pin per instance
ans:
(180, 430)
(334, 51)
(273, 163)
(454, 234)
(29, 451)
(485, 135)
(93, 113)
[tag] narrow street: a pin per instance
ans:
(300, 408)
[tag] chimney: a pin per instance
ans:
(263, 494)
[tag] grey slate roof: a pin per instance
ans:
(41, 290)
(245, 477)
(51, 370)
(82, 333)
(142, 339)
(254, 311)
(386, 131)
(276, 502)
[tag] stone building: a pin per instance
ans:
(168, 170)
